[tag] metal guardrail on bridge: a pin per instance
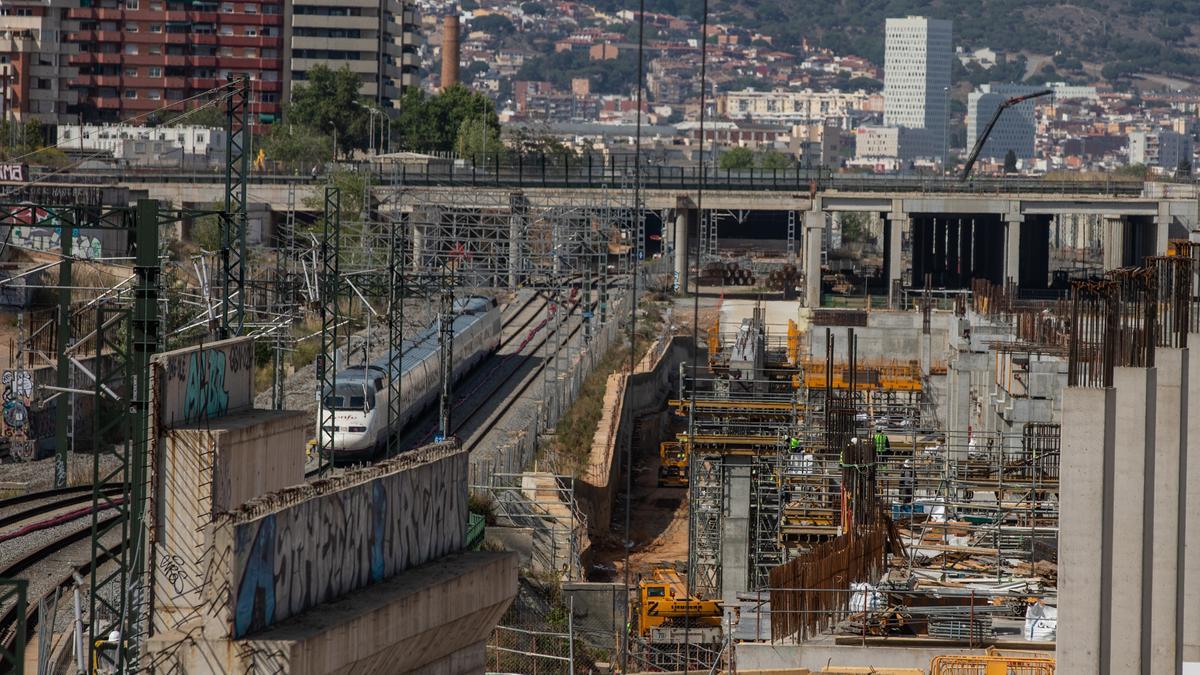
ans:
(589, 173)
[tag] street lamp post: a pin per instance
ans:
(945, 128)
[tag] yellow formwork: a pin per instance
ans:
(730, 405)
(991, 664)
(868, 377)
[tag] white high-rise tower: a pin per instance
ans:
(916, 80)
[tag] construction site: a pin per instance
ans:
(597, 428)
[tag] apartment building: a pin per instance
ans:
(790, 106)
(136, 56)
(34, 72)
(1161, 149)
(376, 39)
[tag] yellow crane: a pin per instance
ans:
(664, 601)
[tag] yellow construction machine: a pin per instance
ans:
(672, 464)
(665, 603)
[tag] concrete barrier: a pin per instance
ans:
(624, 396)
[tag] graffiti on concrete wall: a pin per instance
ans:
(205, 383)
(320, 549)
(18, 390)
(42, 230)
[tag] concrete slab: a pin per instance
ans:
(433, 619)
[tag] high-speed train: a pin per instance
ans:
(360, 401)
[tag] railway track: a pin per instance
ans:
(27, 516)
(491, 386)
(512, 397)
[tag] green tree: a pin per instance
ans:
(737, 158)
(206, 230)
(533, 8)
(431, 123)
(1010, 162)
(352, 191)
(211, 115)
(772, 159)
(533, 142)
(478, 140)
(854, 226)
(494, 25)
(296, 144)
(1133, 171)
(1184, 168)
(328, 101)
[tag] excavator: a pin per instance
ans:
(665, 603)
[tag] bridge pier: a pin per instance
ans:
(895, 226)
(680, 241)
(418, 245)
(814, 237)
(1114, 242)
(1013, 223)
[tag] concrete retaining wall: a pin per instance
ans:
(285, 558)
(624, 398)
(200, 472)
(432, 620)
(205, 383)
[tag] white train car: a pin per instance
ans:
(360, 402)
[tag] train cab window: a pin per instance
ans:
(350, 397)
(378, 383)
(655, 592)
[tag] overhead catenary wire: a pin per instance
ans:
(633, 300)
(691, 583)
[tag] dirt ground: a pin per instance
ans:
(658, 522)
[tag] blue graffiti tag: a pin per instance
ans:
(378, 528)
(255, 607)
(205, 396)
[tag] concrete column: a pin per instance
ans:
(1191, 516)
(1012, 246)
(900, 224)
(1170, 433)
(680, 280)
(735, 530)
(1114, 242)
(1162, 234)
(515, 226)
(814, 236)
(1088, 445)
(418, 244)
(1132, 504)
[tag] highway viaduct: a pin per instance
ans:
(994, 228)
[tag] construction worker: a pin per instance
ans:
(793, 444)
(883, 445)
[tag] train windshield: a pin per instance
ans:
(354, 396)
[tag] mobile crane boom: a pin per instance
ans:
(991, 124)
